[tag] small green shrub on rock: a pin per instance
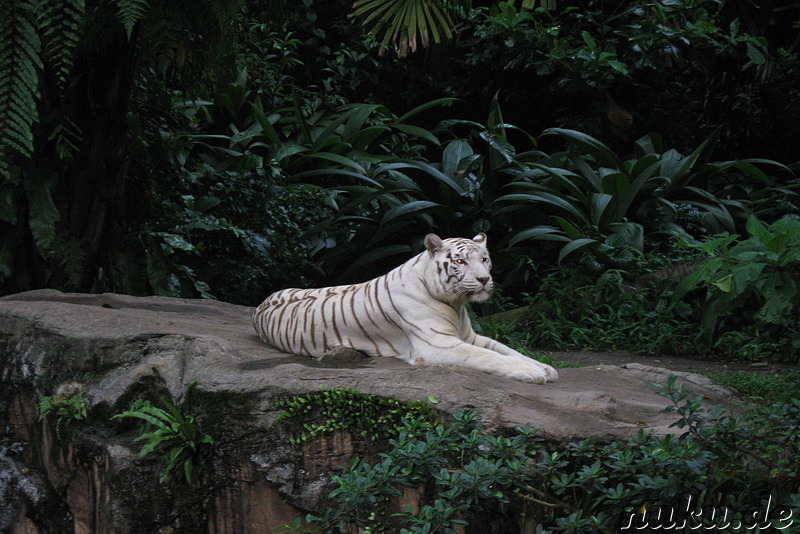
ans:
(362, 414)
(67, 409)
(173, 431)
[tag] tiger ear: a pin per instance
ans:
(480, 239)
(433, 243)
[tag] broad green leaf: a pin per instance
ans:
(589, 40)
(417, 131)
(602, 154)
(453, 153)
(598, 205)
(425, 107)
(724, 284)
(571, 247)
(409, 210)
(572, 231)
(757, 229)
(544, 233)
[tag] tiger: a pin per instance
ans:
(416, 313)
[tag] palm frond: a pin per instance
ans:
(406, 23)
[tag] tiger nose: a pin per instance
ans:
(483, 279)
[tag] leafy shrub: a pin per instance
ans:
(570, 313)
(767, 389)
(469, 478)
(364, 415)
(608, 205)
(558, 65)
(173, 431)
(395, 201)
(234, 236)
(68, 409)
(750, 283)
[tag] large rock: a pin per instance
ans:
(118, 347)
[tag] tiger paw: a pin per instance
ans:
(526, 373)
(549, 371)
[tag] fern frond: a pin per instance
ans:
(129, 12)
(20, 66)
(60, 24)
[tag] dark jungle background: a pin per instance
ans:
(225, 149)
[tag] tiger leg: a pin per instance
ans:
(447, 352)
(496, 346)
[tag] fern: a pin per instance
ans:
(20, 66)
(60, 30)
(130, 12)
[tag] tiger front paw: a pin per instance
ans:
(528, 373)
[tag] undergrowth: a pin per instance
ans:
(365, 415)
(766, 389)
(742, 464)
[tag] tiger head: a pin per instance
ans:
(460, 268)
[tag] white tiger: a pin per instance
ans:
(415, 313)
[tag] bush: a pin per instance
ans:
(236, 236)
(750, 288)
(470, 479)
(566, 311)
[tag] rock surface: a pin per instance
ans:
(115, 347)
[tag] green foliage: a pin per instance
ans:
(559, 65)
(362, 414)
(20, 67)
(569, 312)
(130, 12)
(602, 203)
(394, 203)
(466, 477)
(752, 280)
(765, 388)
(66, 408)
(60, 29)
(468, 471)
(237, 236)
(407, 23)
(174, 432)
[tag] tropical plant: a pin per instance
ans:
(67, 74)
(395, 201)
(758, 275)
(173, 431)
(570, 309)
(570, 65)
(609, 205)
(465, 477)
(67, 409)
(408, 23)
(363, 415)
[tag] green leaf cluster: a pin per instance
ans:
(172, 431)
(756, 277)
(361, 414)
(604, 203)
(467, 478)
(66, 408)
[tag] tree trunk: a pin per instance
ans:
(91, 194)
